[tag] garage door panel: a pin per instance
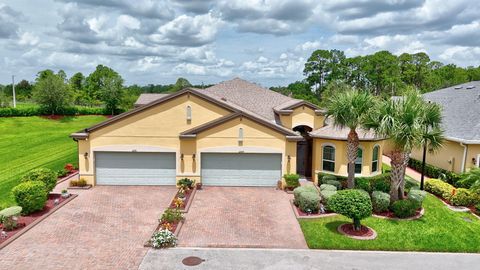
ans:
(119, 168)
(241, 169)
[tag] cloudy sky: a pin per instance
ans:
(266, 41)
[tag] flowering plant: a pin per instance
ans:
(163, 239)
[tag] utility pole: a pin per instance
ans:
(13, 90)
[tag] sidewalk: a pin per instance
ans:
(409, 171)
(280, 259)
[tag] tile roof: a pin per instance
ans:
(250, 96)
(336, 133)
(144, 99)
(460, 110)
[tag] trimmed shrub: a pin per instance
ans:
(44, 175)
(328, 187)
(381, 184)
(325, 196)
(417, 195)
(462, 197)
(309, 202)
(335, 183)
(171, 216)
(380, 201)
(297, 191)
(434, 172)
(186, 183)
(405, 208)
(163, 239)
(8, 217)
(328, 177)
(363, 183)
(439, 188)
(353, 204)
(31, 196)
(292, 180)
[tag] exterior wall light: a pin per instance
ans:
(193, 157)
(288, 157)
(85, 155)
(181, 156)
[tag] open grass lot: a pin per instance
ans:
(30, 142)
(440, 229)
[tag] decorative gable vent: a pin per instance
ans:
(189, 113)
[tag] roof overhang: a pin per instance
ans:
(191, 133)
(462, 140)
(289, 109)
(79, 135)
(326, 137)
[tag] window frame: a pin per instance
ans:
(376, 161)
(360, 149)
(328, 160)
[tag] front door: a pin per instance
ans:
(304, 158)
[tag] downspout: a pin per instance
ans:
(464, 160)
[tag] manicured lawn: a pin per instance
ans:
(31, 142)
(440, 229)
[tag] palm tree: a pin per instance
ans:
(409, 122)
(348, 110)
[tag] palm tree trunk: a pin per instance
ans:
(399, 161)
(352, 149)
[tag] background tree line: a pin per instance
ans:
(326, 73)
(381, 73)
(104, 87)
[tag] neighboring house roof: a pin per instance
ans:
(144, 99)
(336, 133)
(461, 111)
(197, 92)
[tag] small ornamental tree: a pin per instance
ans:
(352, 203)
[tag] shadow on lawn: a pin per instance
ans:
(332, 226)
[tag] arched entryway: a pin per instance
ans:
(304, 151)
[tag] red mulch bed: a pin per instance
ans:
(390, 214)
(24, 221)
(363, 232)
(188, 195)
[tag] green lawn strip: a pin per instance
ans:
(439, 230)
(32, 142)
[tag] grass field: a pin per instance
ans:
(440, 229)
(30, 142)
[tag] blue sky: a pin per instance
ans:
(265, 41)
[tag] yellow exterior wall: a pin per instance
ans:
(450, 156)
(341, 159)
(143, 130)
(257, 138)
(302, 115)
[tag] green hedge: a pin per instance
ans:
(36, 110)
(435, 172)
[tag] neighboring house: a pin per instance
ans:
(235, 133)
(461, 122)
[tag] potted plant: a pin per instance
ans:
(65, 194)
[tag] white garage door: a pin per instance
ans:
(222, 169)
(135, 168)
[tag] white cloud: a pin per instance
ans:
(28, 38)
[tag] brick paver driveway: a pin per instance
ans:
(103, 228)
(241, 217)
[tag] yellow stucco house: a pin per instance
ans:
(235, 133)
(461, 123)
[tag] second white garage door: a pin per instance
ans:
(135, 168)
(225, 169)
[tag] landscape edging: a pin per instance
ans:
(34, 223)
